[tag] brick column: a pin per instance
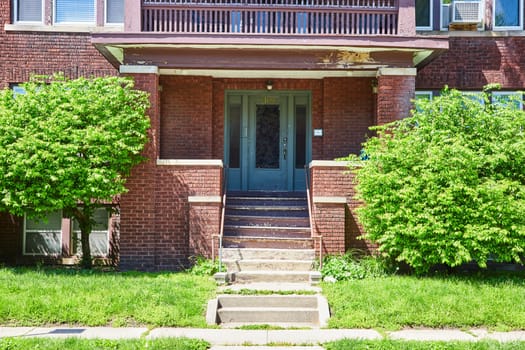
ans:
(395, 91)
(137, 207)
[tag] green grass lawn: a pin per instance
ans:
(101, 344)
(413, 345)
(492, 301)
(32, 297)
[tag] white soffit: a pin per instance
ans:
(267, 74)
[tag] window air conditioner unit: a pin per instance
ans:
(466, 12)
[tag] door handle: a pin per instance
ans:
(284, 153)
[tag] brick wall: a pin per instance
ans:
(138, 238)
(10, 238)
(348, 109)
(394, 97)
(186, 122)
(25, 53)
(337, 222)
(472, 62)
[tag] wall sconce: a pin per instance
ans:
(269, 85)
(374, 86)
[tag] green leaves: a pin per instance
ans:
(446, 186)
(68, 141)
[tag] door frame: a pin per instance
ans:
(239, 176)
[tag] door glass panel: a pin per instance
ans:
(235, 136)
(267, 135)
(300, 136)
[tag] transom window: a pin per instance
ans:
(508, 14)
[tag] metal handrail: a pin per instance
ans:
(310, 216)
(223, 213)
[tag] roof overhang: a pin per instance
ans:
(223, 55)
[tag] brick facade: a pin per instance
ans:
(25, 53)
(394, 97)
(334, 220)
(472, 62)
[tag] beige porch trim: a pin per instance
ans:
(204, 199)
(397, 71)
(190, 162)
(134, 69)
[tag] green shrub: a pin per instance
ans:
(447, 185)
(351, 266)
(202, 266)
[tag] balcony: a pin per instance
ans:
(271, 17)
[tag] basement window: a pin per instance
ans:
(43, 236)
(99, 237)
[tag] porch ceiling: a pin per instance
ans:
(244, 53)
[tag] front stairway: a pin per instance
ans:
(267, 245)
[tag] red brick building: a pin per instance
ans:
(244, 96)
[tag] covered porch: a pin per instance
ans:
(265, 112)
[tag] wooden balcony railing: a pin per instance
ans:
(271, 17)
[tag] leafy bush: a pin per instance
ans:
(202, 266)
(447, 185)
(350, 266)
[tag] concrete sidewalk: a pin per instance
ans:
(220, 337)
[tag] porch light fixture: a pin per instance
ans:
(269, 85)
(374, 86)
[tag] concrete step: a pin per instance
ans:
(295, 315)
(267, 221)
(266, 208)
(267, 231)
(268, 301)
(266, 201)
(267, 264)
(267, 254)
(270, 276)
(267, 242)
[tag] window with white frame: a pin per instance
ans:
(422, 95)
(27, 11)
(508, 14)
(114, 11)
(43, 236)
(508, 98)
(424, 14)
(476, 96)
(99, 236)
(75, 11)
